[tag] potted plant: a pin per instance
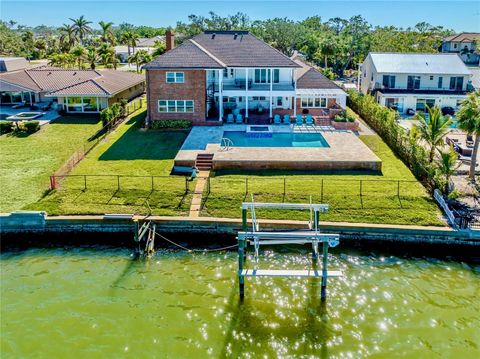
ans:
(343, 121)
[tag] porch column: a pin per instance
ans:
(66, 104)
(220, 95)
(246, 93)
(98, 104)
(295, 93)
(271, 88)
(294, 105)
(30, 96)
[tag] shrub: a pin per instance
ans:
(31, 126)
(6, 127)
(106, 116)
(161, 124)
(344, 117)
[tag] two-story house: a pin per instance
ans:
(221, 72)
(409, 82)
(464, 44)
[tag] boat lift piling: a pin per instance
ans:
(145, 237)
(311, 235)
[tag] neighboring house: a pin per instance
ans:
(12, 64)
(232, 72)
(71, 90)
(143, 43)
(464, 44)
(411, 81)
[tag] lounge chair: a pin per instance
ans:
(277, 120)
(20, 105)
(235, 111)
(299, 120)
(230, 118)
(239, 119)
(469, 142)
(309, 120)
(286, 119)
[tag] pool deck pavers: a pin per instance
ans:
(345, 151)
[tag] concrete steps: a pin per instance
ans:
(204, 161)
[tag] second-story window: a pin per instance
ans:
(456, 83)
(175, 77)
(413, 82)
(389, 81)
(262, 76)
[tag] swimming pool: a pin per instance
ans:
(291, 139)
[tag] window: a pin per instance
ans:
(423, 103)
(314, 102)
(175, 77)
(413, 82)
(175, 106)
(456, 83)
(440, 82)
(389, 81)
(431, 78)
(279, 101)
(454, 46)
(262, 76)
(394, 103)
(259, 98)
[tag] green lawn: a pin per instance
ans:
(379, 202)
(128, 151)
(134, 152)
(27, 162)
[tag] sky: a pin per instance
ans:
(456, 15)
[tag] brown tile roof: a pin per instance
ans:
(185, 56)
(218, 49)
(58, 81)
(463, 37)
(309, 77)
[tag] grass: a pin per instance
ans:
(379, 202)
(132, 152)
(28, 161)
(129, 151)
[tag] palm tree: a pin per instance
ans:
(107, 35)
(126, 39)
(469, 120)
(67, 37)
(79, 53)
(41, 46)
(81, 27)
(92, 57)
(139, 58)
(447, 165)
(433, 129)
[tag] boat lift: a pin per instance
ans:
(311, 235)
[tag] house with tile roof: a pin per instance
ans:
(409, 82)
(218, 73)
(465, 44)
(71, 90)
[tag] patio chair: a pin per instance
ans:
(277, 120)
(235, 111)
(469, 142)
(230, 118)
(286, 119)
(20, 105)
(299, 120)
(239, 119)
(309, 120)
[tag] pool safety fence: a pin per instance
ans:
(120, 182)
(322, 187)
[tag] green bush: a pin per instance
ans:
(383, 121)
(6, 127)
(344, 117)
(162, 124)
(31, 126)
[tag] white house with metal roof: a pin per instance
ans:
(409, 82)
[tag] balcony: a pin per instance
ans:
(421, 90)
(240, 84)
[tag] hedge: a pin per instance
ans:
(163, 124)
(383, 121)
(6, 127)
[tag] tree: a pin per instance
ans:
(433, 129)
(79, 53)
(139, 58)
(159, 49)
(28, 43)
(107, 35)
(41, 47)
(81, 28)
(447, 165)
(468, 118)
(61, 60)
(67, 37)
(92, 57)
(126, 39)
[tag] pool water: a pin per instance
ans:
(291, 139)
(99, 302)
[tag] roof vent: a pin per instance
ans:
(74, 73)
(213, 35)
(235, 36)
(426, 63)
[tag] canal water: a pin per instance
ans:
(99, 302)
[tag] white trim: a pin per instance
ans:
(175, 77)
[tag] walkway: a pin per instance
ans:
(196, 205)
